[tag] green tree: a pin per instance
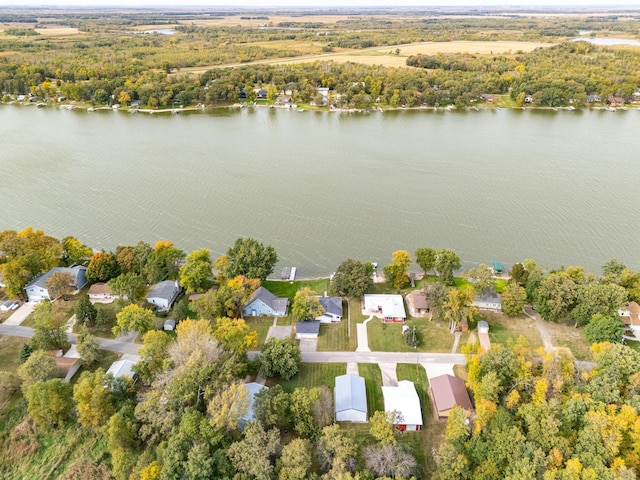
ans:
(280, 357)
(514, 298)
(301, 406)
(59, 285)
(612, 270)
(597, 298)
(457, 307)
(87, 346)
(382, 428)
(335, 448)
(49, 331)
(396, 271)
(127, 260)
(25, 352)
(445, 263)
(102, 267)
(153, 355)
(250, 258)
(74, 251)
(162, 262)
(272, 407)
(94, 401)
(434, 293)
(426, 258)
(556, 296)
(49, 403)
(296, 460)
(519, 274)
(254, 453)
(133, 318)
(85, 312)
(352, 279)
(40, 367)
(604, 328)
(195, 272)
(129, 286)
(482, 278)
(306, 305)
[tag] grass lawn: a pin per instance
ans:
(260, 325)
(315, 375)
(373, 384)
(425, 442)
(10, 352)
(289, 289)
(104, 331)
(502, 328)
(634, 345)
(62, 311)
(387, 337)
(570, 337)
(335, 336)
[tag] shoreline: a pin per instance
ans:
(306, 108)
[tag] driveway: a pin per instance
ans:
(279, 332)
(389, 374)
(309, 345)
(21, 314)
(437, 369)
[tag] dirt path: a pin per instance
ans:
(541, 325)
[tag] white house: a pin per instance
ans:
(122, 368)
(350, 399)
(100, 292)
(252, 389)
(488, 301)
(37, 291)
(332, 309)
(403, 400)
(164, 294)
(630, 316)
(389, 307)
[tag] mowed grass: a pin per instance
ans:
(260, 325)
(335, 337)
(62, 311)
(503, 328)
(315, 375)
(387, 337)
(10, 352)
(289, 289)
(424, 443)
(373, 384)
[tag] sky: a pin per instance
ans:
(319, 3)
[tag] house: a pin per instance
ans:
(37, 290)
(403, 400)
(594, 98)
(332, 309)
(261, 94)
(284, 100)
(488, 301)
(630, 316)
(122, 368)
(263, 302)
(164, 294)
(8, 306)
(324, 91)
(418, 299)
(615, 101)
(447, 391)
(135, 104)
(307, 330)
(350, 399)
(100, 292)
(390, 307)
(483, 335)
(486, 97)
(252, 389)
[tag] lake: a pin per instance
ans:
(495, 185)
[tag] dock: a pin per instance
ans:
(288, 273)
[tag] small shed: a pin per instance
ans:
(308, 329)
(350, 399)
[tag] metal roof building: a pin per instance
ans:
(351, 399)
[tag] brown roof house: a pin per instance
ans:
(630, 316)
(418, 301)
(447, 391)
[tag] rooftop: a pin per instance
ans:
(449, 391)
(404, 400)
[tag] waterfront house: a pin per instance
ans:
(447, 391)
(594, 98)
(100, 292)
(404, 401)
(37, 291)
(263, 302)
(261, 94)
(418, 299)
(389, 307)
(332, 309)
(630, 316)
(488, 301)
(164, 294)
(350, 399)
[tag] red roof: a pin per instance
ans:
(449, 391)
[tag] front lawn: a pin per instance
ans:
(387, 337)
(315, 375)
(334, 337)
(260, 325)
(373, 384)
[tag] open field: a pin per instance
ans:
(58, 31)
(503, 328)
(10, 352)
(388, 336)
(233, 20)
(570, 337)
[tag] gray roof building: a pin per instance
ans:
(332, 305)
(164, 294)
(263, 302)
(350, 399)
(37, 290)
(308, 329)
(252, 389)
